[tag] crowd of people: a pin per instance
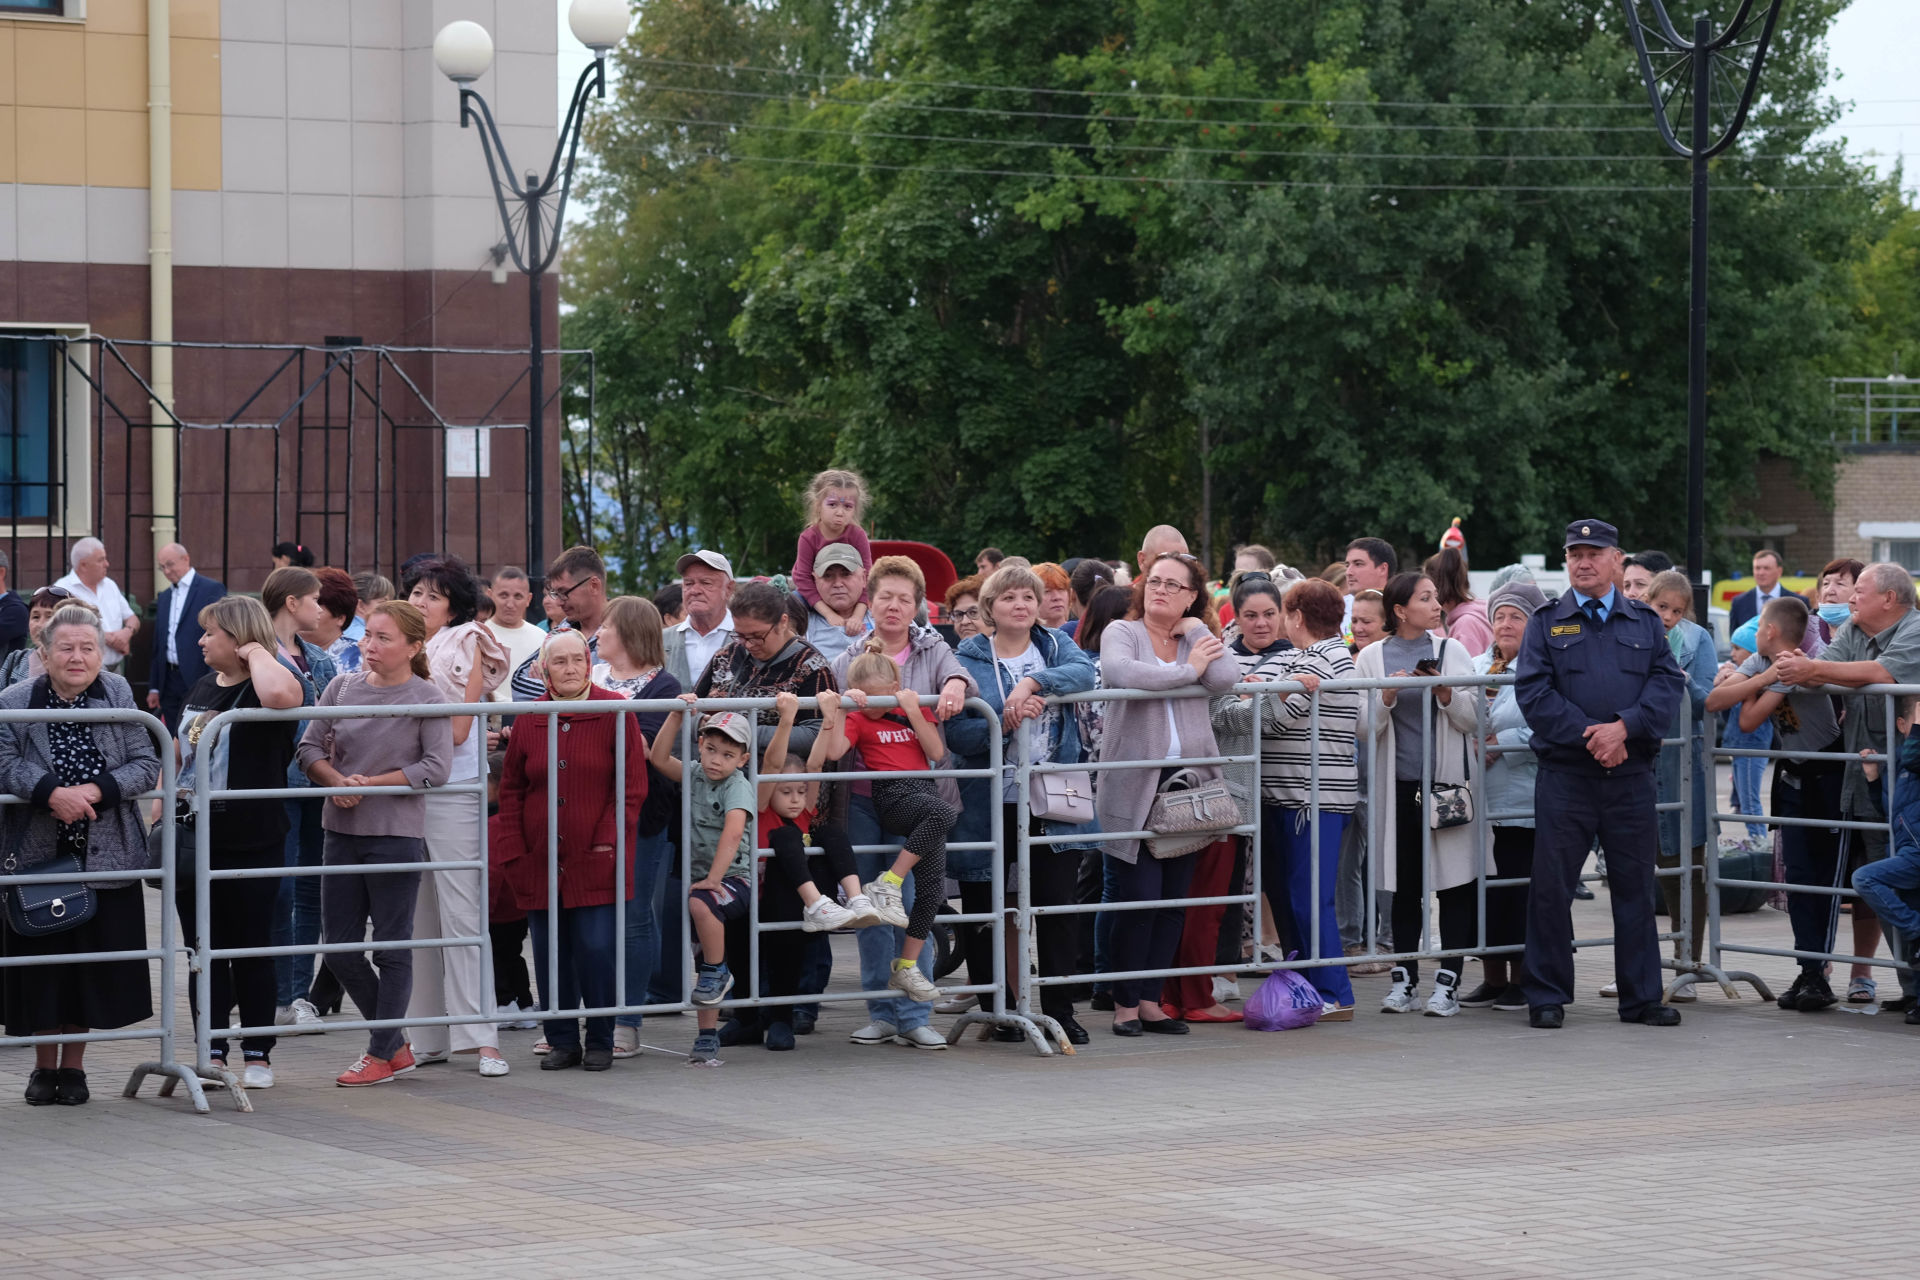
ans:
(605, 829)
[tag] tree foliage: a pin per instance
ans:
(1049, 271)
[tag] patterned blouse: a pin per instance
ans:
(76, 760)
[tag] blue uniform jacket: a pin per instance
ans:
(1572, 675)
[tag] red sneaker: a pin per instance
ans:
(403, 1060)
(369, 1070)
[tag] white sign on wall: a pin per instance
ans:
(469, 453)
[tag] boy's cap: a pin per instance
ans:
(731, 723)
(836, 555)
(712, 559)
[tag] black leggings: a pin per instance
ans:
(783, 953)
(1054, 872)
(912, 807)
(1459, 906)
(1507, 906)
(240, 914)
(511, 984)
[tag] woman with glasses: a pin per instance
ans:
(962, 611)
(1169, 642)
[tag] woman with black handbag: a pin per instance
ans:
(81, 782)
(1407, 729)
(1169, 642)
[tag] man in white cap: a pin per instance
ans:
(706, 587)
(842, 582)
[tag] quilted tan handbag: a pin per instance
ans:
(1189, 812)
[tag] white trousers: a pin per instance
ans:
(451, 981)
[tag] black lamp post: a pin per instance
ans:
(463, 51)
(1691, 71)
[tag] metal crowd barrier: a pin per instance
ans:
(1841, 889)
(173, 1071)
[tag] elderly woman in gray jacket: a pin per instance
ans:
(1169, 642)
(81, 783)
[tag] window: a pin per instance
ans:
(40, 8)
(1904, 552)
(28, 427)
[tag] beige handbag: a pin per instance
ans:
(1189, 812)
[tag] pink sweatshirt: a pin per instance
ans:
(811, 540)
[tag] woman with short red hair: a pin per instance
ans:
(1056, 603)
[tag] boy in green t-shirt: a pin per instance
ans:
(723, 805)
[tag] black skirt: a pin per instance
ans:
(99, 996)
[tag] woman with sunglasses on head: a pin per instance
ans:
(1169, 642)
(1418, 736)
(25, 664)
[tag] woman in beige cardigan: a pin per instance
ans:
(1394, 721)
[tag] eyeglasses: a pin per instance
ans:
(970, 614)
(1168, 584)
(561, 593)
(753, 641)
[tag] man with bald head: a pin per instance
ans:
(1161, 540)
(176, 665)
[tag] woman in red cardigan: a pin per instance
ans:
(588, 808)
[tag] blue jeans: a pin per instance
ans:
(1103, 923)
(651, 855)
(879, 945)
(1748, 771)
(296, 910)
(587, 956)
(1286, 873)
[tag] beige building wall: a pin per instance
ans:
(1875, 484)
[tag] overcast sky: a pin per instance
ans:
(1872, 48)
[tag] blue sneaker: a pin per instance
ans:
(706, 1050)
(713, 985)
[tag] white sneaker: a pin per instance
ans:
(824, 915)
(626, 1042)
(1611, 991)
(960, 1004)
(258, 1075)
(1401, 995)
(887, 902)
(865, 915)
(509, 1016)
(1445, 1000)
(921, 1038)
(494, 1066)
(913, 984)
(283, 1016)
(875, 1033)
(306, 1017)
(1225, 989)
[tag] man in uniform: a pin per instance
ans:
(1599, 687)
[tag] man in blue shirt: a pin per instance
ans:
(1599, 687)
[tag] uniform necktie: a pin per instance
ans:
(1593, 611)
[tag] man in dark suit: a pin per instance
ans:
(1748, 604)
(177, 665)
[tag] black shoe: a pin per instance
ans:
(1165, 1027)
(1101, 1002)
(1913, 1017)
(1790, 998)
(1815, 993)
(1547, 1017)
(42, 1087)
(1510, 999)
(597, 1059)
(1902, 1005)
(1657, 1015)
(1009, 1035)
(741, 1031)
(70, 1088)
(804, 1021)
(1480, 997)
(780, 1036)
(559, 1059)
(1076, 1034)
(1583, 893)
(1129, 1028)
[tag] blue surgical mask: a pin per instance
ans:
(1836, 614)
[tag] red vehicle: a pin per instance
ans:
(934, 564)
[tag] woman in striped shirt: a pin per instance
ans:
(1291, 738)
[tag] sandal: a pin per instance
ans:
(542, 1048)
(1862, 991)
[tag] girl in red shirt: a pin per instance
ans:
(897, 741)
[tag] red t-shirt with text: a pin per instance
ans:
(887, 745)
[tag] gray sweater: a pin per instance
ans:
(1138, 730)
(422, 749)
(117, 838)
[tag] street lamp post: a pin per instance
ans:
(463, 51)
(1691, 70)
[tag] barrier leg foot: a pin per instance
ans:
(1055, 1030)
(171, 1074)
(222, 1079)
(989, 1020)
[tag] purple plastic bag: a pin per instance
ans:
(1284, 1002)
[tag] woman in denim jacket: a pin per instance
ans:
(1018, 663)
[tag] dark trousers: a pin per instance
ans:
(1146, 939)
(1573, 809)
(510, 980)
(1459, 905)
(382, 989)
(587, 955)
(239, 914)
(1810, 855)
(1053, 873)
(786, 956)
(1286, 875)
(1507, 906)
